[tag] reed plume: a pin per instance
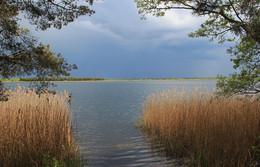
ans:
(36, 130)
(210, 131)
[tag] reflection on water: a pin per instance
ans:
(104, 117)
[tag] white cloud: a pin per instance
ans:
(124, 26)
(171, 38)
(92, 28)
(176, 20)
(118, 31)
(173, 28)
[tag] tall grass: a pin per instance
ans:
(211, 132)
(36, 130)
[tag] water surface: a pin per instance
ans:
(104, 117)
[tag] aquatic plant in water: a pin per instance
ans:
(209, 131)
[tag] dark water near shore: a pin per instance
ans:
(104, 117)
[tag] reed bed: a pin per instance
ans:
(36, 130)
(209, 131)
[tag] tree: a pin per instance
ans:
(247, 60)
(20, 52)
(237, 18)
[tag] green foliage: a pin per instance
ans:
(245, 56)
(257, 148)
(49, 161)
(232, 20)
(240, 17)
(40, 61)
(21, 54)
(47, 13)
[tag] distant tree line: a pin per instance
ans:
(33, 79)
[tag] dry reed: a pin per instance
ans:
(36, 130)
(210, 132)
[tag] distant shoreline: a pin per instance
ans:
(81, 79)
(168, 79)
(88, 79)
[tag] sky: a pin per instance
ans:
(116, 43)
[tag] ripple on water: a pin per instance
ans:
(104, 119)
(134, 154)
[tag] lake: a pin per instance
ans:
(104, 115)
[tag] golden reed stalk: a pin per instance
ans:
(35, 129)
(210, 132)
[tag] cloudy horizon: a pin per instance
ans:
(116, 43)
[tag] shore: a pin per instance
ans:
(88, 79)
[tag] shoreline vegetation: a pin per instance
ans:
(194, 124)
(87, 79)
(36, 130)
(191, 125)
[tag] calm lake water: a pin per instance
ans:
(104, 117)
